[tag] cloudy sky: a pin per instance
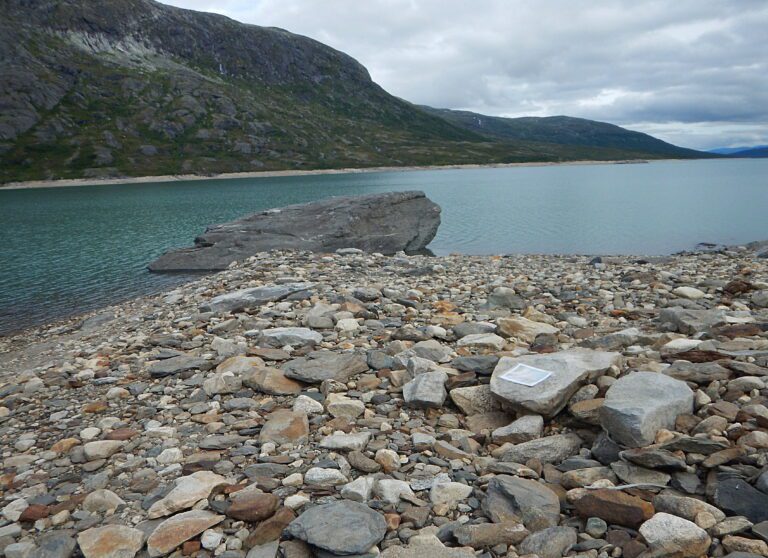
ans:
(693, 72)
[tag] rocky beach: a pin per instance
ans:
(352, 404)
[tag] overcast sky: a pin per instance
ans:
(693, 72)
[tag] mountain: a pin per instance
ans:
(564, 130)
(95, 88)
(736, 150)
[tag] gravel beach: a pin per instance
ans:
(352, 404)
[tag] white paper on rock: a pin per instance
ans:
(525, 375)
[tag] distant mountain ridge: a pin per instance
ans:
(566, 129)
(756, 152)
(100, 88)
(732, 150)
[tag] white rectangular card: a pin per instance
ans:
(525, 375)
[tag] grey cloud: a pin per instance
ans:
(694, 71)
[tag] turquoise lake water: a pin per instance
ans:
(69, 250)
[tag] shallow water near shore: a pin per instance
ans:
(70, 250)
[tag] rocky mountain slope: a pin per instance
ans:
(131, 87)
(564, 130)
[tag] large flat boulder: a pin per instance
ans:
(638, 405)
(386, 223)
(570, 370)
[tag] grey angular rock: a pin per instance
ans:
(325, 365)
(177, 365)
(549, 543)
(570, 370)
(349, 442)
(687, 508)
(251, 298)
(479, 364)
(700, 373)
(475, 400)
(515, 499)
(295, 336)
(505, 297)
(691, 321)
(343, 527)
(524, 429)
(669, 535)
(737, 497)
(386, 223)
(426, 390)
(638, 405)
(550, 449)
(55, 545)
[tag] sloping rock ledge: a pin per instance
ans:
(386, 223)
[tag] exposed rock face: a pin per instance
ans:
(386, 223)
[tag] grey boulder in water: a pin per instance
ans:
(386, 223)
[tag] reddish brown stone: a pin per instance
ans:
(393, 521)
(272, 528)
(696, 356)
(737, 287)
(465, 379)
(69, 505)
(190, 547)
(253, 506)
(122, 434)
(614, 507)
(34, 512)
(96, 407)
(341, 423)
(739, 330)
(284, 426)
(63, 446)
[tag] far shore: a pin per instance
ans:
(271, 174)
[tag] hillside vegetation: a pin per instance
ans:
(98, 88)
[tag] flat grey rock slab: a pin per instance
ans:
(239, 300)
(638, 405)
(325, 365)
(550, 449)
(426, 390)
(691, 321)
(511, 498)
(570, 370)
(343, 527)
(386, 223)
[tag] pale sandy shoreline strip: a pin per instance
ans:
(272, 174)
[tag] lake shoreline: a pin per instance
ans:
(72, 322)
(71, 182)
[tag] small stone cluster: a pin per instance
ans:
(349, 404)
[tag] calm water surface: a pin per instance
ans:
(68, 250)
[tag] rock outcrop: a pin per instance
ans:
(386, 223)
